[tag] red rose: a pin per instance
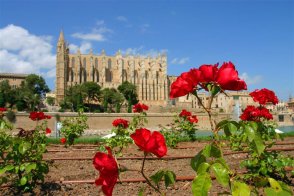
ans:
(228, 79)
(193, 119)
(48, 131)
(3, 109)
(264, 96)
(208, 72)
(63, 140)
(140, 107)
(150, 142)
(185, 113)
(108, 170)
(120, 122)
(252, 113)
(35, 116)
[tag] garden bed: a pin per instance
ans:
(63, 173)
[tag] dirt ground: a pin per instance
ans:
(63, 170)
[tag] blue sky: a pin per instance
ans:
(257, 36)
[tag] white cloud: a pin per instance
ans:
(251, 79)
(122, 19)
(142, 52)
(97, 33)
(84, 48)
(89, 36)
(180, 61)
(23, 52)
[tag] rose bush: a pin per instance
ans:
(120, 136)
(22, 163)
(254, 130)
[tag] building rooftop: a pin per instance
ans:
(13, 75)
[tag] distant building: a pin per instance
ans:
(290, 104)
(14, 80)
(149, 74)
(221, 103)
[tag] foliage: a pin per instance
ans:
(130, 94)
(10, 115)
(184, 124)
(50, 100)
(22, 157)
(91, 92)
(121, 138)
(27, 96)
(111, 98)
(169, 178)
(74, 127)
(36, 84)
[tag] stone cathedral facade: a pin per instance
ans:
(148, 74)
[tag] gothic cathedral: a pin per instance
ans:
(149, 74)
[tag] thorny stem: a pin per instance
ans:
(147, 180)
(207, 109)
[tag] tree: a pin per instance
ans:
(92, 92)
(5, 93)
(111, 97)
(50, 100)
(36, 84)
(130, 93)
(73, 98)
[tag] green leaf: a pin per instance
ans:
(201, 185)
(271, 192)
(240, 189)
(232, 127)
(23, 180)
(211, 150)
(197, 160)
(6, 168)
(259, 145)
(221, 174)
(203, 168)
(30, 167)
(141, 191)
(249, 132)
(274, 184)
(23, 147)
(169, 178)
(156, 178)
(221, 124)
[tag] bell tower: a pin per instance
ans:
(61, 68)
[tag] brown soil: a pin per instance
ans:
(83, 170)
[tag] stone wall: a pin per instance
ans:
(101, 123)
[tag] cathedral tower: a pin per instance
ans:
(61, 67)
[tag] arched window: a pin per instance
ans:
(124, 75)
(84, 63)
(85, 75)
(73, 62)
(108, 72)
(146, 86)
(72, 75)
(96, 63)
(109, 64)
(97, 76)
(136, 77)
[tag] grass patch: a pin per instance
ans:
(81, 140)
(288, 134)
(96, 139)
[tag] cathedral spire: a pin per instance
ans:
(61, 36)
